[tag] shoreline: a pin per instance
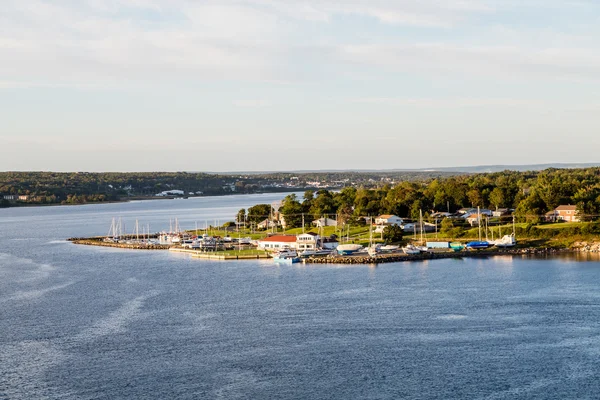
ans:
(355, 259)
(143, 198)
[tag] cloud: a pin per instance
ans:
(94, 43)
(505, 61)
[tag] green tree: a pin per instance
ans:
(259, 213)
(241, 216)
(392, 233)
(497, 197)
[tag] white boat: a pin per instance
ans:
(506, 241)
(389, 247)
(286, 256)
(347, 249)
(373, 251)
(411, 249)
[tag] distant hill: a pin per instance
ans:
(499, 168)
(445, 170)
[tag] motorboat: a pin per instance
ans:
(286, 256)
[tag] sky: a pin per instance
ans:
(265, 85)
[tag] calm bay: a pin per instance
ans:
(100, 323)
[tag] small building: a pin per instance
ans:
(266, 224)
(277, 242)
(441, 214)
(416, 227)
(23, 197)
(500, 212)
(322, 222)
(11, 197)
(474, 211)
(388, 219)
(475, 219)
(307, 241)
(567, 213)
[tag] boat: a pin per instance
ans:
(476, 245)
(286, 256)
(347, 249)
(373, 250)
(411, 249)
(506, 241)
(389, 247)
(457, 246)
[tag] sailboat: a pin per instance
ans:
(480, 244)
(507, 240)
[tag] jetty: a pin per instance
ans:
(401, 257)
(133, 245)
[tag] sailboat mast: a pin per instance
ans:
(479, 222)
(421, 224)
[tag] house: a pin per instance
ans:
(388, 219)
(307, 241)
(473, 211)
(321, 222)
(500, 212)
(441, 214)
(11, 197)
(567, 213)
(416, 227)
(474, 219)
(467, 210)
(266, 224)
(24, 197)
(277, 242)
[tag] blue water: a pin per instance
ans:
(96, 323)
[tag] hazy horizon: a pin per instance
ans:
(263, 85)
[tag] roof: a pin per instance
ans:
(386, 216)
(280, 238)
(566, 208)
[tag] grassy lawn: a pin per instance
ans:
(242, 252)
(562, 225)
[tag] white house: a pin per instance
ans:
(388, 219)
(321, 222)
(307, 241)
(416, 227)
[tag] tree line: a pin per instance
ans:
(530, 195)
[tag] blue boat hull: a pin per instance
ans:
(478, 245)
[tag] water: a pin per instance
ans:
(97, 323)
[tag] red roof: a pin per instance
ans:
(280, 238)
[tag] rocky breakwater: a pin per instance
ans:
(586, 247)
(401, 257)
(102, 242)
